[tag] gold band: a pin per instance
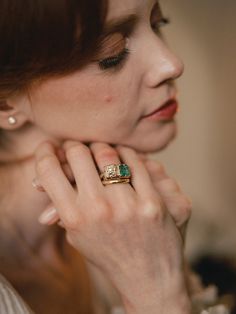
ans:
(112, 172)
(115, 181)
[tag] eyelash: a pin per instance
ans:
(163, 22)
(116, 62)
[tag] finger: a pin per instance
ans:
(61, 224)
(143, 156)
(60, 154)
(178, 204)
(156, 170)
(37, 185)
(52, 178)
(81, 162)
(141, 180)
(104, 155)
(68, 172)
(49, 216)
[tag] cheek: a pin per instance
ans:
(97, 93)
(108, 99)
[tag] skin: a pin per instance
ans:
(96, 108)
(108, 106)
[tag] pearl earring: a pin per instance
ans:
(12, 120)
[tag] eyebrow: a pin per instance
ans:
(124, 25)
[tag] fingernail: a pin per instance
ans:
(48, 215)
(36, 184)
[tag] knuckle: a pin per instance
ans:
(102, 210)
(185, 208)
(153, 209)
(188, 203)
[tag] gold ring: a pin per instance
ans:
(115, 181)
(111, 172)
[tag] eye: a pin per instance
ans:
(114, 62)
(159, 24)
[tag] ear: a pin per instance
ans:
(18, 109)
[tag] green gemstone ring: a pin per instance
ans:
(111, 172)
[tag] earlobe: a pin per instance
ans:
(11, 118)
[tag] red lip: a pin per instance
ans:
(165, 112)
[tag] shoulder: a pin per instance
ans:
(10, 301)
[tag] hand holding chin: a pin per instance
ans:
(132, 232)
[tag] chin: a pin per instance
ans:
(154, 143)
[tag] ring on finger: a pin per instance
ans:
(116, 171)
(115, 181)
(113, 174)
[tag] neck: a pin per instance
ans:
(20, 203)
(19, 145)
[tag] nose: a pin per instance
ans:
(161, 63)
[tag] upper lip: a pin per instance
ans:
(166, 103)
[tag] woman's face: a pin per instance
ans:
(108, 100)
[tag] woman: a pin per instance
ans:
(83, 85)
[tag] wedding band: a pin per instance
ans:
(113, 171)
(115, 181)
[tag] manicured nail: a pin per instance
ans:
(48, 216)
(36, 184)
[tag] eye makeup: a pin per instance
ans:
(159, 24)
(115, 50)
(116, 60)
(157, 19)
(114, 45)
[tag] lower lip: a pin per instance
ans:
(167, 113)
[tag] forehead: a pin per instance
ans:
(119, 8)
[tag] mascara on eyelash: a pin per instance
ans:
(160, 24)
(114, 61)
(164, 21)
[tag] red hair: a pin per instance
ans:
(41, 38)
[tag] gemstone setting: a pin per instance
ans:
(124, 171)
(111, 172)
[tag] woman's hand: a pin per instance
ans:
(125, 230)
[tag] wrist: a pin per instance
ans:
(172, 299)
(167, 306)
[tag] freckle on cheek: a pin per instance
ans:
(108, 98)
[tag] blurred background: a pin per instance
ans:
(203, 157)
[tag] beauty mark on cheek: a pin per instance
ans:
(108, 99)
